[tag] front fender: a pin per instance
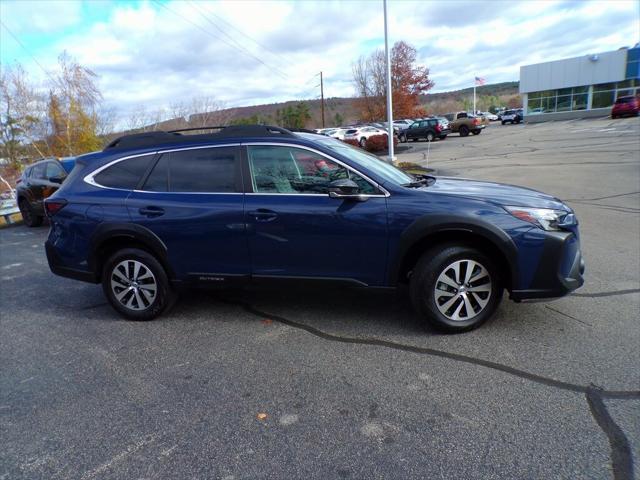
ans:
(432, 225)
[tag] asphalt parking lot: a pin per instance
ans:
(351, 385)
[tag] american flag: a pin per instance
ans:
(480, 81)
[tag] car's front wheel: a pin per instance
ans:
(137, 285)
(455, 288)
(403, 138)
(363, 142)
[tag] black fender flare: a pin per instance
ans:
(433, 224)
(109, 231)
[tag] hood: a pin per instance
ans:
(496, 193)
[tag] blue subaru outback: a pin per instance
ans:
(155, 212)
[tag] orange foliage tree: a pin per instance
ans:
(408, 81)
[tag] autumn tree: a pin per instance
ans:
(21, 116)
(73, 109)
(408, 82)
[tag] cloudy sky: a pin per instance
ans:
(157, 52)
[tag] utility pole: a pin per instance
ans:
(322, 98)
(389, 89)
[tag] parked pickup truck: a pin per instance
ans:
(463, 123)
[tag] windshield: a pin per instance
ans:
(386, 171)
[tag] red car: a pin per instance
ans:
(625, 106)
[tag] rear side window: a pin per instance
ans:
(125, 174)
(38, 171)
(211, 170)
(55, 170)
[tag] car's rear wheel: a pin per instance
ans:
(137, 285)
(28, 216)
(430, 137)
(455, 288)
(464, 131)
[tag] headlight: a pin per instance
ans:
(545, 218)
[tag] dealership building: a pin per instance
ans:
(579, 87)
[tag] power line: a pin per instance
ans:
(28, 52)
(246, 35)
(239, 46)
(207, 32)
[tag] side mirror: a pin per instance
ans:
(345, 189)
(57, 179)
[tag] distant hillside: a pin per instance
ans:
(341, 111)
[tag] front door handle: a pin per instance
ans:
(151, 211)
(264, 215)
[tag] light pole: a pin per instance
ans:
(389, 89)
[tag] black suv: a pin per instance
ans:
(429, 129)
(37, 182)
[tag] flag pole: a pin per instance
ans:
(474, 96)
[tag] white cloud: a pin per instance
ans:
(148, 54)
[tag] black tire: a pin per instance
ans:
(28, 216)
(403, 138)
(430, 137)
(464, 131)
(363, 142)
(477, 132)
(424, 281)
(164, 297)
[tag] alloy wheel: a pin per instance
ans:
(133, 284)
(463, 290)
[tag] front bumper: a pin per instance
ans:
(560, 270)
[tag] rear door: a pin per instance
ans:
(192, 200)
(295, 230)
(36, 186)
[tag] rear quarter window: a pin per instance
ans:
(125, 174)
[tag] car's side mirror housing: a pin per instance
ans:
(345, 189)
(57, 179)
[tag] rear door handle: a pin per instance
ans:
(151, 211)
(264, 215)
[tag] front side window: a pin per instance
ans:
(202, 170)
(125, 174)
(278, 169)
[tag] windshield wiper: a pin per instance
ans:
(420, 181)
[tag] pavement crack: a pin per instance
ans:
(550, 382)
(621, 458)
(601, 198)
(606, 294)
(567, 315)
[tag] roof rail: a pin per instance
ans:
(149, 139)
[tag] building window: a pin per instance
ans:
(563, 100)
(633, 63)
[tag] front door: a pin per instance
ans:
(192, 200)
(296, 230)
